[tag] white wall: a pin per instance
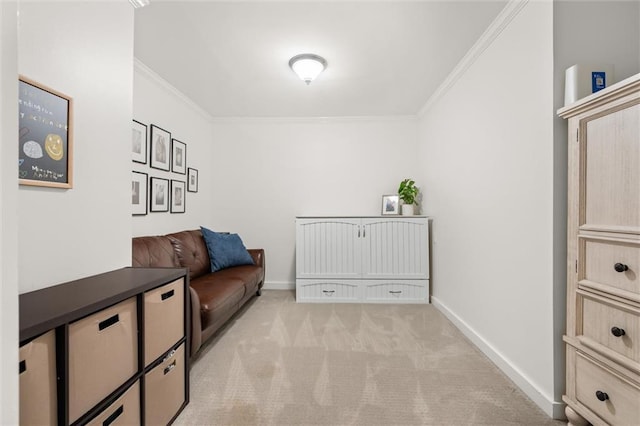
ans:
(486, 156)
(85, 50)
(157, 102)
(8, 214)
(267, 172)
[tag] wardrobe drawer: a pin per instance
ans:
(123, 411)
(327, 291)
(103, 354)
(396, 291)
(608, 395)
(163, 319)
(615, 328)
(613, 263)
(165, 388)
(38, 400)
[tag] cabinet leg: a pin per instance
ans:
(574, 418)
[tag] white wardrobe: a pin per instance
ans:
(362, 259)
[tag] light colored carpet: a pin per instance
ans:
(282, 363)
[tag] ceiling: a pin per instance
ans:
(385, 58)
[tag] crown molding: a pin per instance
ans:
(139, 66)
(318, 120)
(504, 18)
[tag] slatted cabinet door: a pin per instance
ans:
(328, 248)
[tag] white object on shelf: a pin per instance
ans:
(581, 80)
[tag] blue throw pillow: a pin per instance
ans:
(225, 250)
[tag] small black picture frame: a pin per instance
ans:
(160, 148)
(178, 196)
(139, 193)
(192, 180)
(159, 200)
(139, 142)
(178, 157)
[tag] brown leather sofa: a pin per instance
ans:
(216, 296)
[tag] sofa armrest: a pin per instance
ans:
(258, 256)
(196, 322)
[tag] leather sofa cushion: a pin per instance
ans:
(218, 296)
(192, 252)
(250, 275)
(153, 252)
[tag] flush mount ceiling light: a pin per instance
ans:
(308, 66)
(139, 3)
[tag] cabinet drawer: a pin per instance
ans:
(396, 291)
(613, 327)
(163, 319)
(165, 388)
(603, 257)
(38, 400)
(103, 354)
(327, 291)
(123, 411)
(608, 395)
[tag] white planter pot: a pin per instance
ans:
(407, 210)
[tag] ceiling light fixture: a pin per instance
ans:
(308, 66)
(137, 4)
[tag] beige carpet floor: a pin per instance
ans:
(283, 363)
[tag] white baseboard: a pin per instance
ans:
(554, 409)
(279, 285)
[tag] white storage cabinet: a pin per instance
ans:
(362, 259)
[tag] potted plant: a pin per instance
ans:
(408, 191)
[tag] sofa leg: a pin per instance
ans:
(259, 292)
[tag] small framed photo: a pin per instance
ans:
(139, 142)
(160, 148)
(138, 193)
(390, 204)
(177, 196)
(192, 180)
(159, 201)
(179, 157)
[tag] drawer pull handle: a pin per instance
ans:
(108, 322)
(620, 267)
(328, 292)
(602, 396)
(169, 355)
(167, 295)
(618, 332)
(23, 366)
(395, 291)
(113, 416)
(170, 367)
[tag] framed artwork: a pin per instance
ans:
(192, 180)
(179, 157)
(138, 193)
(45, 137)
(160, 148)
(390, 204)
(177, 196)
(159, 200)
(139, 142)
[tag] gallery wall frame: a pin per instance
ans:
(160, 148)
(178, 157)
(192, 180)
(139, 193)
(159, 200)
(45, 138)
(178, 191)
(139, 142)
